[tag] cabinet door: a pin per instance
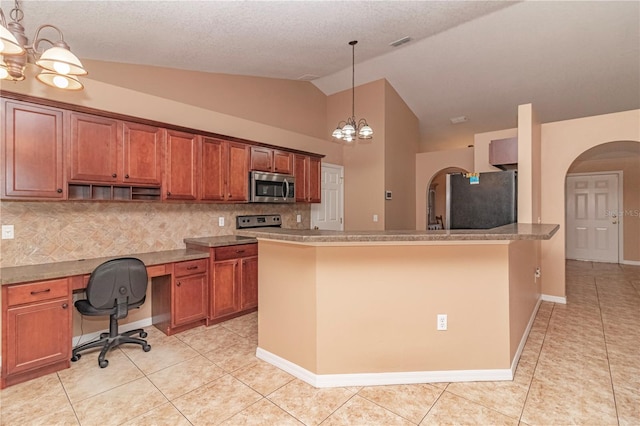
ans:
(283, 162)
(142, 148)
(189, 299)
(314, 186)
(261, 159)
(224, 297)
(249, 287)
(214, 170)
(181, 169)
(300, 166)
(32, 151)
(93, 149)
(37, 334)
(238, 172)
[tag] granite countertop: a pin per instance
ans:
(46, 271)
(514, 231)
(220, 241)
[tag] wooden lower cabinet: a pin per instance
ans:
(36, 329)
(179, 300)
(234, 281)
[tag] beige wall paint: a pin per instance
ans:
(298, 106)
(629, 164)
(562, 143)
(364, 170)
(402, 136)
(428, 165)
(373, 308)
(481, 148)
(528, 165)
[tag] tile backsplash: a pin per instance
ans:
(48, 232)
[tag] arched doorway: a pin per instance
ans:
(602, 204)
(437, 195)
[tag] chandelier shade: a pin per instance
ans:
(60, 67)
(347, 130)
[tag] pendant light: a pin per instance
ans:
(348, 129)
(60, 67)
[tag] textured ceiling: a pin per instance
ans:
(474, 58)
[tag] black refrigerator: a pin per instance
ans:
(481, 200)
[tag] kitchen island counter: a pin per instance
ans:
(360, 308)
(511, 232)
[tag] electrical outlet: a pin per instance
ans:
(299, 218)
(442, 322)
(375, 217)
(7, 232)
(537, 273)
(221, 221)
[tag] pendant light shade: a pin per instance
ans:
(59, 66)
(347, 130)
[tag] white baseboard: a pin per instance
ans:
(631, 262)
(146, 322)
(523, 340)
(555, 299)
(375, 379)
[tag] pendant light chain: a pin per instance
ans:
(347, 130)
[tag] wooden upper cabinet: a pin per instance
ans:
(238, 172)
(503, 152)
(307, 174)
(142, 154)
(271, 160)
(181, 166)
(93, 149)
(225, 171)
(261, 159)
(214, 170)
(282, 162)
(32, 151)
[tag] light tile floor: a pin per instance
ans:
(580, 365)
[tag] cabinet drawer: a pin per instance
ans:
(190, 267)
(35, 292)
(233, 252)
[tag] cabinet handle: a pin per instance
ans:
(114, 175)
(240, 251)
(59, 190)
(126, 176)
(65, 306)
(191, 268)
(33, 293)
(169, 193)
(178, 283)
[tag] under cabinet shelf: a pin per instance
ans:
(101, 192)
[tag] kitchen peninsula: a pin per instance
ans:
(360, 308)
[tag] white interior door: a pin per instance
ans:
(329, 213)
(592, 217)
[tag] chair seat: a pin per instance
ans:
(85, 308)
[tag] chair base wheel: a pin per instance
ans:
(75, 357)
(143, 334)
(103, 363)
(146, 348)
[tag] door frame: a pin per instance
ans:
(317, 206)
(620, 205)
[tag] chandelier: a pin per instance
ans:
(60, 67)
(348, 129)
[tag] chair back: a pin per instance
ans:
(117, 282)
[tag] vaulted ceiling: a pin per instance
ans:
(478, 59)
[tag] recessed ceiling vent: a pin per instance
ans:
(400, 42)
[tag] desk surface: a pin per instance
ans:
(46, 271)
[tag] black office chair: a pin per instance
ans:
(114, 287)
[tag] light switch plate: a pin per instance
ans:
(7, 232)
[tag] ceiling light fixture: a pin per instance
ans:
(348, 129)
(60, 67)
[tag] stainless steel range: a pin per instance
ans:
(259, 221)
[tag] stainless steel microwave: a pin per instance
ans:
(271, 188)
